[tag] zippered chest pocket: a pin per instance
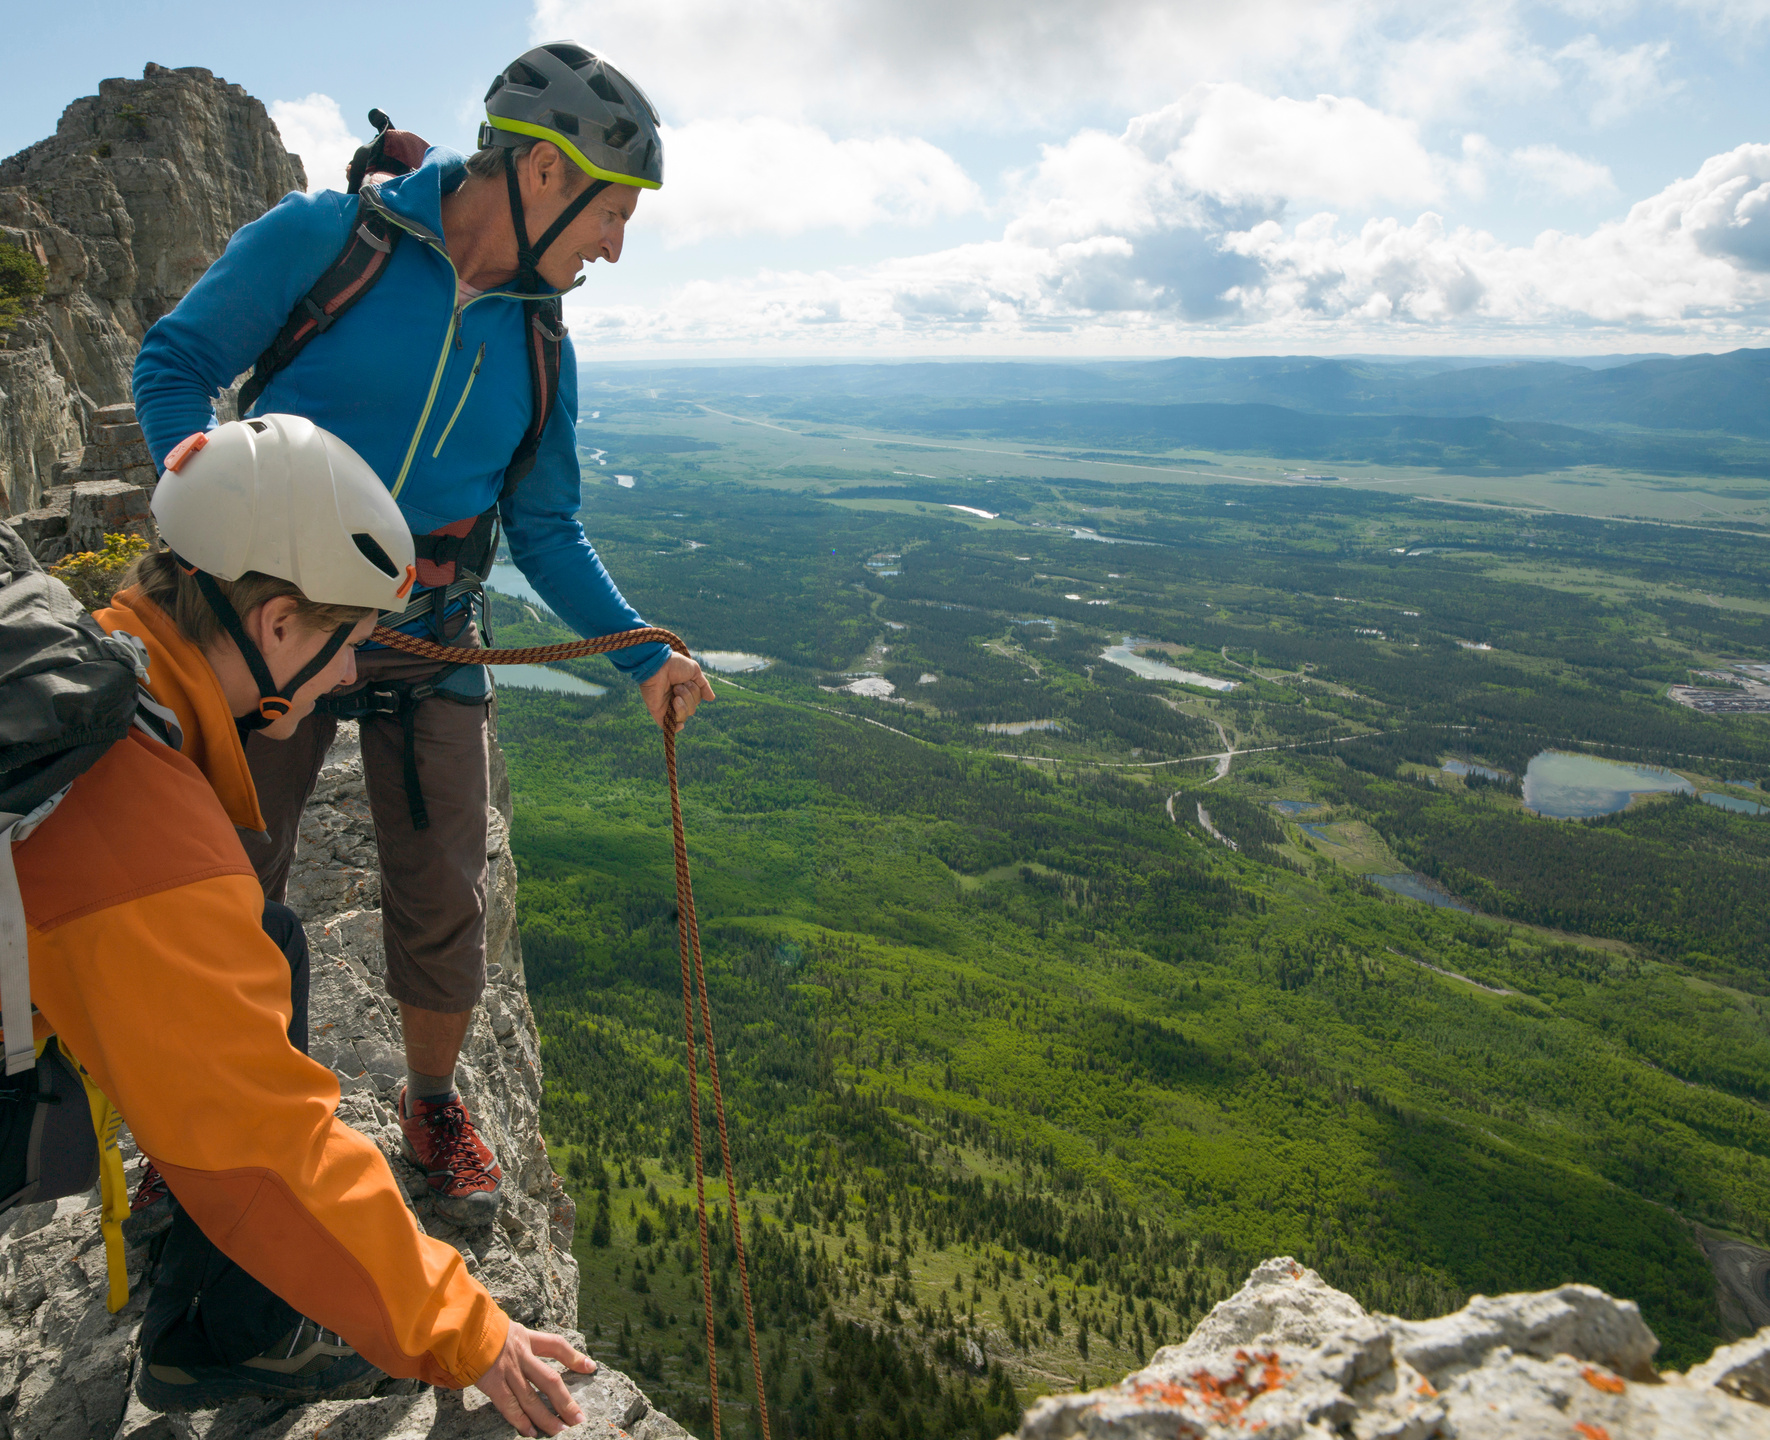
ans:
(461, 404)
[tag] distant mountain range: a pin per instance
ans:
(1454, 413)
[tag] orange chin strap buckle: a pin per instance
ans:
(273, 707)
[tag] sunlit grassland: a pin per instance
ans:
(797, 455)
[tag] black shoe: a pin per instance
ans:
(306, 1365)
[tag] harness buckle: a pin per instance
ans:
(316, 313)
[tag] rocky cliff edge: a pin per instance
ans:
(65, 1364)
(1291, 1358)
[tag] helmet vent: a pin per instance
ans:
(521, 74)
(618, 134)
(604, 87)
(566, 124)
(573, 55)
(497, 85)
(375, 555)
(257, 425)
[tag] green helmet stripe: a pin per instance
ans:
(541, 132)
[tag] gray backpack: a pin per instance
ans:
(68, 692)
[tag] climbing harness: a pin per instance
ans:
(694, 976)
(399, 700)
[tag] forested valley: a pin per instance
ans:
(1055, 988)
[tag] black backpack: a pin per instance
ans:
(68, 692)
(354, 272)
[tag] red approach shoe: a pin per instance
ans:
(150, 1211)
(464, 1176)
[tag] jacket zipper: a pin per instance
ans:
(451, 339)
(442, 363)
(461, 404)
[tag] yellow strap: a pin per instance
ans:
(113, 1189)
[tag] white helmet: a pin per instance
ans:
(281, 496)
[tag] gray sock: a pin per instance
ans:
(428, 1088)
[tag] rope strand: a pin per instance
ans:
(694, 973)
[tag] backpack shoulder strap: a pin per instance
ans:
(545, 341)
(349, 277)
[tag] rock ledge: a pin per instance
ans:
(1292, 1358)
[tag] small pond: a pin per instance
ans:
(543, 677)
(1418, 887)
(508, 580)
(732, 662)
(1733, 802)
(1567, 786)
(1152, 669)
(1469, 767)
(1294, 807)
(1319, 831)
(1083, 533)
(1020, 727)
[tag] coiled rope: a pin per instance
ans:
(694, 980)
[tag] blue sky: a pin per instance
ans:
(1117, 177)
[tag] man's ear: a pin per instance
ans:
(548, 163)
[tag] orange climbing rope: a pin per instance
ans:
(688, 935)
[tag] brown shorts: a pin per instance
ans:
(433, 881)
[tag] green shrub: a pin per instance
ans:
(22, 277)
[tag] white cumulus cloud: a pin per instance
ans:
(1694, 258)
(916, 66)
(1458, 57)
(715, 169)
(1616, 83)
(313, 128)
(1231, 141)
(1554, 171)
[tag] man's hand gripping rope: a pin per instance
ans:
(671, 695)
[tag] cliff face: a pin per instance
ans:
(131, 199)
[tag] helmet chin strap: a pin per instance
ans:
(528, 258)
(274, 701)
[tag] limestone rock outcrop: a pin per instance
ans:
(127, 204)
(1292, 1358)
(97, 490)
(65, 1364)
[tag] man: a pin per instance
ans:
(428, 376)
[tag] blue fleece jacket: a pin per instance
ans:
(434, 399)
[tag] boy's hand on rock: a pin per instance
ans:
(520, 1376)
(673, 693)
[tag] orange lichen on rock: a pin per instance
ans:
(1598, 1380)
(1425, 1390)
(1591, 1432)
(1220, 1400)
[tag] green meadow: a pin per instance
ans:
(1024, 1066)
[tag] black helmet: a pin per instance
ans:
(592, 112)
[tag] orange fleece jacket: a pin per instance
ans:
(149, 958)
